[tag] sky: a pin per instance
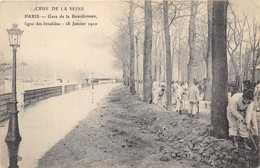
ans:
(77, 46)
(250, 7)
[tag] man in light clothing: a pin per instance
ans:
(194, 97)
(179, 103)
(161, 96)
(236, 111)
(175, 87)
(251, 120)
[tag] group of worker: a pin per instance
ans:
(181, 93)
(241, 109)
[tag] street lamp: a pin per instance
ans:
(92, 84)
(13, 137)
(92, 81)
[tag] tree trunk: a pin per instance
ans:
(147, 62)
(219, 123)
(241, 79)
(124, 74)
(160, 68)
(137, 66)
(179, 59)
(132, 48)
(192, 38)
(254, 66)
(246, 64)
(168, 57)
(209, 50)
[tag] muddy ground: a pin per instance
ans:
(125, 132)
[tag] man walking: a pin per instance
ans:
(194, 95)
(178, 97)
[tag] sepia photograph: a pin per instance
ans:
(130, 84)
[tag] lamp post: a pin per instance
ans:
(92, 81)
(13, 137)
(92, 85)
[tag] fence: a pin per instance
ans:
(83, 85)
(4, 100)
(70, 88)
(33, 96)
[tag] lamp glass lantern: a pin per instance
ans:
(14, 35)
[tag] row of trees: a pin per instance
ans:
(185, 40)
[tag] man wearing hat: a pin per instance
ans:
(248, 86)
(161, 96)
(236, 110)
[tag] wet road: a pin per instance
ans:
(47, 122)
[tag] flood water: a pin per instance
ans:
(48, 121)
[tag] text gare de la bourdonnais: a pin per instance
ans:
(60, 16)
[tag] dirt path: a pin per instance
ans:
(125, 132)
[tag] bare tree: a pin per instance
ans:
(168, 57)
(178, 14)
(137, 66)
(235, 35)
(147, 62)
(209, 44)
(120, 47)
(201, 49)
(246, 67)
(254, 40)
(219, 123)
(132, 48)
(192, 41)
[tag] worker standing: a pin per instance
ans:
(194, 97)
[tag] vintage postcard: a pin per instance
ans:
(75, 76)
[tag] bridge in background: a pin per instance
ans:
(96, 80)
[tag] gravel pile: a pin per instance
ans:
(125, 132)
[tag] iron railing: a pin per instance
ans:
(4, 101)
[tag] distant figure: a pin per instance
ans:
(207, 96)
(179, 101)
(175, 87)
(194, 97)
(205, 80)
(248, 86)
(185, 86)
(156, 90)
(160, 98)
